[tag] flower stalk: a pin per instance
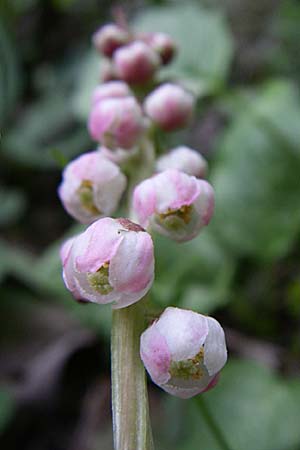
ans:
(131, 422)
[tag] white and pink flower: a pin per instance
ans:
(174, 204)
(169, 106)
(117, 122)
(136, 63)
(184, 159)
(110, 37)
(111, 89)
(91, 187)
(111, 262)
(183, 352)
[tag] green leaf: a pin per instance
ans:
(256, 175)
(194, 275)
(254, 408)
(7, 408)
(46, 125)
(205, 45)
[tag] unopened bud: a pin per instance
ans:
(91, 187)
(116, 122)
(136, 63)
(183, 352)
(184, 159)
(163, 44)
(174, 204)
(111, 262)
(112, 89)
(110, 37)
(169, 106)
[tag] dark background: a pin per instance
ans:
(242, 60)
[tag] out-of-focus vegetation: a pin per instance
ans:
(242, 60)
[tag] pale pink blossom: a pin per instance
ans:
(163, 44)
(136, 62)
(174, 204)
(184, 159)
(116, 122)
(110, 37)
(91, 187)
(183, 352)
(111, 262)
(169, 106)
(110, 89)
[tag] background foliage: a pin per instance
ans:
(242, 60)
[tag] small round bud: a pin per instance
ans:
(116, 122)
(184, 159)
(110, 37)
(136, 63)
(163, 44)
(174, 204)
(91, 187)
(183, 352)
(169, 106)
(111, 262)
(111, 89)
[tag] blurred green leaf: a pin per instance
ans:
(46, 125)
(194, 275)
(205, 45)
(253, 407)
(12, 205)
(7, 407)
(9, 75)
(256, 176)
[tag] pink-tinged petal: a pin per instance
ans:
(65, 250)
(132, 266)
(182, 392)
(97, 245)
(185, 332)
(212, 383)
(169, 106)
(155, 355)
(205, 202)
(215, 352)
(136, 62)
(184, 159)
(144, 201)
(110, 89)
(110, 37)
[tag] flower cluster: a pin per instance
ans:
(112, 261)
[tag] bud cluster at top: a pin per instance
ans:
(112, 261)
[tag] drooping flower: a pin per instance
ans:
(169, 106)
(183, 352)
(110, 37)
(111, 262)
(136, 62)
(116, 122)
(91, 187)
(184, 159)
(174, 204)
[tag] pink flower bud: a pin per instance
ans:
(174, 204)
(111, 89)
(184, 159)
(163, 44)
(169, 106)
(91, 187)
(111, 262)
(183, 352)
(116, 122)
(110, 37)
(136, 62)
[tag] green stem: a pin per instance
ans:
(211, 423)
(131, 422)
